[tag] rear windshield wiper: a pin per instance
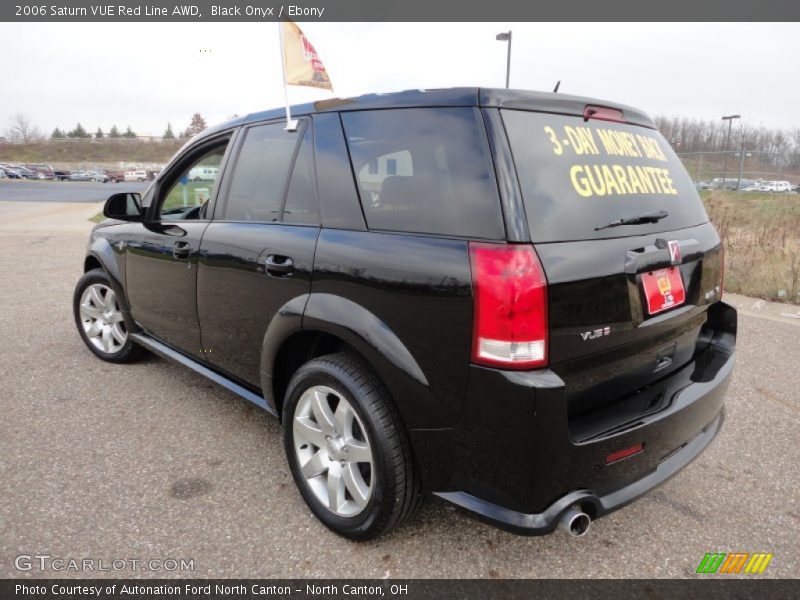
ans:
(652, 217)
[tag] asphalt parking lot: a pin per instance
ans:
(12, 190)
(150, 460)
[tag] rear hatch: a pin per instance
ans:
(627, 302)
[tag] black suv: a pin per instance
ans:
(509, 299)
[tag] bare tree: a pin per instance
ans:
(21, 131)
(197, 125)
(777, 148)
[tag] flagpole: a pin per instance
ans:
(290, 125)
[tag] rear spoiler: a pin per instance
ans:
(560, 104)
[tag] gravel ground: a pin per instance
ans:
(150, 460)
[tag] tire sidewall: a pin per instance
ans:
(328, 375)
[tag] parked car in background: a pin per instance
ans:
(775, 187)
(61, 175)
(114, 176)
(98, 176)
(730, 183)
(12, 172)
(87, 176)
(28, 173)
(45, 171)
(2, 173)
(741, 185)
(703, 185)
(203, 173)
(81, 176)
(135, 175)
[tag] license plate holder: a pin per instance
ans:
(663, 290)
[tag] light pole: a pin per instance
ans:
(729, 119)
(742, 156)
(506, 37)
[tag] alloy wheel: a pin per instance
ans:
(333, 451)
(102, 319)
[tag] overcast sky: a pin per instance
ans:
(145, 75)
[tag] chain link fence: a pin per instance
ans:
(742, 169)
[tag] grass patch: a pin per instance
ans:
(761, 233)
(85, 151)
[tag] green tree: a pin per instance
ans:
(114, 132)
(129, 133)
(168, 134)
(78, 132)
(99, 134)
(57, 134)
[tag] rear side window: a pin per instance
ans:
(259, 177)
(578, 176)
(425, 171)
(302, 206)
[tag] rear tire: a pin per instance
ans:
(101, 323)
(347, 448)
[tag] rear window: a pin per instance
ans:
(578, 176)
(424, 170)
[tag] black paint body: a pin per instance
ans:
(514, 447)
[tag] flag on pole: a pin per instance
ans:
(301, 64)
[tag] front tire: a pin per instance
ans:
(101, 322)
(347, 448)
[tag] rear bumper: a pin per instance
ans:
(596, 506)
(514, 463)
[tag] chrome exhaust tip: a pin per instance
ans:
(575, 522)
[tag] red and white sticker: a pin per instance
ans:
(674, 252)
(663, 290)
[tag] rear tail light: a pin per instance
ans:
(510, 291)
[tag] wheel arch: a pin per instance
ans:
(328, 323)
(91, 262)
(101, 255)
(298, 349)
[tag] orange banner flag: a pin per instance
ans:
(301, 64)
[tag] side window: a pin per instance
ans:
(188, 196)
(259, 177)
(302, 206)
(372, 175)
(425, 170)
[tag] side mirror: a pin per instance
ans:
(124, 207)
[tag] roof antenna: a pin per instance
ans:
(555, 89)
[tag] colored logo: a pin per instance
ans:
(734, 562)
